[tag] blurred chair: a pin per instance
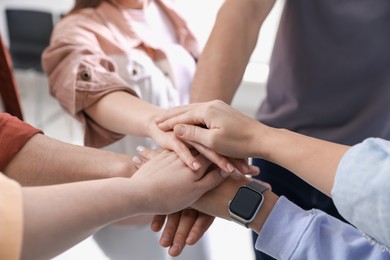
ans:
(8, 88)
(29, 34)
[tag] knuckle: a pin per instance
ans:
(197, 231)
(189, 213)
(191, 131)
(180, 237)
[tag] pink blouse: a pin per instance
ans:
(79, 65)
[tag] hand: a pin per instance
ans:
(169, 185)
(168, 140)
(184, 227)
(229, 165)
(216, 126)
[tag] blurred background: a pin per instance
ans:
(226, 239)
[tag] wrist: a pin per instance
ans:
(252, 204)
(270, 200)
(266, 141)
(150, 125)
(122, 166)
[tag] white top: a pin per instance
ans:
(153, 24)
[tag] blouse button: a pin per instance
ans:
(85, 75)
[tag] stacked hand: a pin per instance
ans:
(188, 226)
(167, 139)
(216, 127)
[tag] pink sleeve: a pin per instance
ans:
(80, 73)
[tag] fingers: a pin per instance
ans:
(211, 180)
(158, 222)
(187, 220)
(192, 133)
(173, 112)
(254, 170)
(170, 228)
(185, 227)
(231, 165)
(244, 167)
(216, 158)
(201, 225)
(185, 154)
(145, 155)
(184, 114)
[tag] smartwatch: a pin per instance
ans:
(247, 202)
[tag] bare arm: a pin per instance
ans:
(57, 217)
(124, 113)
(313, 160)
(44, 161)
(133, 116)
(229, 47)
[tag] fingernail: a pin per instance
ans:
(223, 173)
(140, 149)
(179, 130)
(155, 226)
(165, 238)
(196, 165)
(230, 167)
(191, 237)
(137, 161)
(175, 248)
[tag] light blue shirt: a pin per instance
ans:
(361, 191)
(293, 233)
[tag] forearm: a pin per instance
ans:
(124, 113)
(227, 52)
(57, 217)
(311, 159)
(45, 161)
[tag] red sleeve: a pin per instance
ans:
(14, 134)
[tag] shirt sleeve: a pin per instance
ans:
(293, 233)
(80, 73)
(361, 191)
(11, 219)
(14, 134)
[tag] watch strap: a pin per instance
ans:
(254, 185)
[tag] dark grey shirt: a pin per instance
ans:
(330, 70)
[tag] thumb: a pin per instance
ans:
(190, 133)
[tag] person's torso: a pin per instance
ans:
(330, 70)
(163, 79)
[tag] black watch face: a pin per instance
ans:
(245, 203)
